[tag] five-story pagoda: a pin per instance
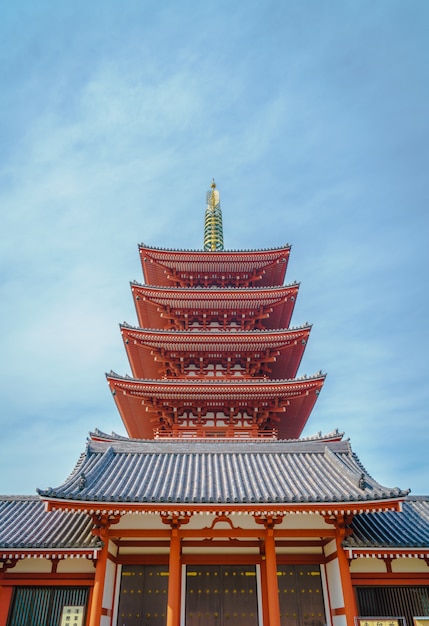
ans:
(214, 354)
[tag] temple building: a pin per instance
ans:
(214, 510)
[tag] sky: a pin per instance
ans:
(313, 119)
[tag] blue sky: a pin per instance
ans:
(313, 119)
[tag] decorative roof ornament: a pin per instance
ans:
(213, 230)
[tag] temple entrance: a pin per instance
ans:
(220, 595)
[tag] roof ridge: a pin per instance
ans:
(18, 497)
(286, 246)
(215, 287)
(218, 330)
(98, 434)
(218, 380)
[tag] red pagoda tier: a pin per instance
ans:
(197, 268)
(214, 307)
(273, 354)
(216, 408)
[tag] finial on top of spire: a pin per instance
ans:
(213, 230)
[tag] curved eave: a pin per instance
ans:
(144, 347)
(183, 508)
(155, 306)
(198, 387)
(161, 266)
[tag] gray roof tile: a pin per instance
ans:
(392, 529)
(24, 524)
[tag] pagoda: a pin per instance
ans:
(214, 354)
(214, 510)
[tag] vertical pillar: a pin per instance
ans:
(349, 596)
(271, 576)
(5, 600)
(174, 579)
(343, 601)
(96, 609)
(101, 529)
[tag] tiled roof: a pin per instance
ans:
(226, 297)
(392, 529)
(221, 472)
(25, 525)
(240, 389)
(207, 340)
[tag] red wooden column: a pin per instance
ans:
(6, 593)
(174, 580)
(96, 608)
(342, 526)
(174, 570)
(349, 596)
(272, 582)
(270, 593)
(272, 586)
(101, 529)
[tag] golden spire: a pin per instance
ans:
(213, 231)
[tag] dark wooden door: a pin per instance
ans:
(300, 595)
(221, 595)
(143, 595)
